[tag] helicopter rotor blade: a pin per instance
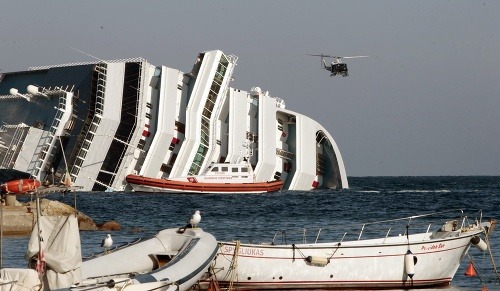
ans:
(336, 57)
(354, 57)
(322, 56)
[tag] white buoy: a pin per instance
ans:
(409, 264)
(479, 243)
(317, 261)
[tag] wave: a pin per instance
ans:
(404, 191)
(420, 191)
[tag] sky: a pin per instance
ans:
(425, 102)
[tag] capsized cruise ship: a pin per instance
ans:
(103, 120)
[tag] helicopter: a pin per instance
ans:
(336, 67)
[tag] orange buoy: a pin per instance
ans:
(20, 186)
(471, 271)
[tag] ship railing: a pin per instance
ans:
(15, 145)
(136, 59)
(284, 154)
(45, 152)
(378, 229)
(88, 135)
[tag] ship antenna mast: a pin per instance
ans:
(87, 54)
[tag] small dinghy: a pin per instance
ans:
(400, 254)
(174, 259)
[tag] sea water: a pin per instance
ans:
(259, 217)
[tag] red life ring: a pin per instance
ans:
(20, 186)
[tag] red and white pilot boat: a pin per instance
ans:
(218, 178)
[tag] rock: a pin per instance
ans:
(86, 223)
(136, 229)
(110, 225)
(19, 219)
(51, 207)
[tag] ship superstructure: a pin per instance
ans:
(107, 119)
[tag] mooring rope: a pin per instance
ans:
(234, 265)
(336, 249)
(487, 239)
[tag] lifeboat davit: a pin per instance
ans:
(20, 186)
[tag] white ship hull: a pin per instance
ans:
(103, 121)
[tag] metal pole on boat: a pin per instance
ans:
(64, 156)
(361, 232)
(38, 210)
(67, 178)
(1, 232)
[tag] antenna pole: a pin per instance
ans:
(87, 54)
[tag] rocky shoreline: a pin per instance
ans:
(19, 218)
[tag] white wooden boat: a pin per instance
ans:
(218, 178)
(399, 258)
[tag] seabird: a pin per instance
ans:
(107, 242)
(195, 219)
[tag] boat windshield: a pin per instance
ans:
(232, 168)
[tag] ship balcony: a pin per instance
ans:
(284, 154)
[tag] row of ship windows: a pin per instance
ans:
(233, 169)
(207, 112)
